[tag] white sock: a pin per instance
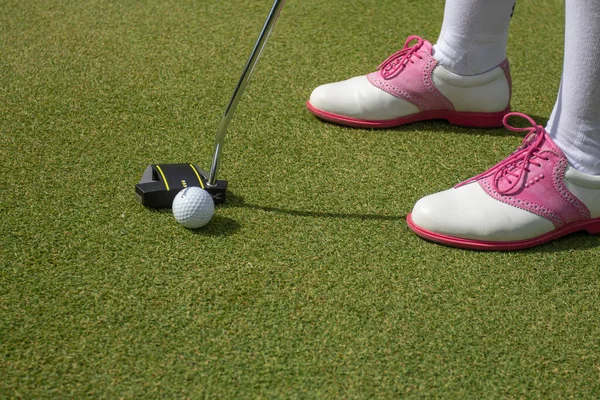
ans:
(474, 35)
(575, 121)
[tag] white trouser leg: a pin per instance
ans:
(474, 35)
(575, 121)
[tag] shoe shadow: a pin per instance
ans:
(445, 127)
(575, 241)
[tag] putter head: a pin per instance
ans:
(161, 183)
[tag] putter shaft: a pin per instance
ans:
(241, 86)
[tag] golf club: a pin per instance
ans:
(160, 183)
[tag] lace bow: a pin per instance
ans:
(395, 63)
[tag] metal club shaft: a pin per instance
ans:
(241, 86)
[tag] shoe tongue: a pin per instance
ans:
(427, 47)
(547, 143)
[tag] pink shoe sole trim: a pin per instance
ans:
(461, 118)
(592, 226)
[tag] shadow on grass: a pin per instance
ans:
(224, 226)
(238, 201)
(575, 241)
(218, 226)
(445, 127)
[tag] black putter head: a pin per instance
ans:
(161, 183)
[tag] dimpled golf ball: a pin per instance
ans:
(193, 207)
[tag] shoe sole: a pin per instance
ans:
(460, 118)
(592, 226)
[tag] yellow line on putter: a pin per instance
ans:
(163, 176)
(198, 175)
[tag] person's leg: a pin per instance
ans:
(550, 186)
(575, 121)
(474, 35)
(465, 79)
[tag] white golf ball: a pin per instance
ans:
(193, 207)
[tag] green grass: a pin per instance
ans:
(308, 284)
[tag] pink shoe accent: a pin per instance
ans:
(532, 179)
(506, 68)
(593, 228)
(407, 74)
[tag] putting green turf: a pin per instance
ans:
(308, 283)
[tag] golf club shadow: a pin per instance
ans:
(234, 200)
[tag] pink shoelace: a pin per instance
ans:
(395, 63)
(512, 168)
